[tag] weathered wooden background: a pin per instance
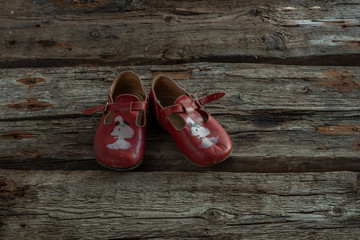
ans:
(291, 72)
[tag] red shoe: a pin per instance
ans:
(196, 133)
(119, 142)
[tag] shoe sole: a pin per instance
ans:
(119, 169)
(204, 166)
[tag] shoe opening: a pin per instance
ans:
(167, 91)
(128, 83)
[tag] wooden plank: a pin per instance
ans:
(280, 118)
(111, 205)
(249, 87)
(67, 33)
(298, 145)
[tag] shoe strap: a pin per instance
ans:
(138, 106)
(115, 107)
(94, 109)
(171, 109)
(210, 98)
(198, 103)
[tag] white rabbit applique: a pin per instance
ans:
(121, 131)
(201, 132)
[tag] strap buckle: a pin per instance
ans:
(106, 107)
(195, 98)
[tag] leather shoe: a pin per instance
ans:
(197, 134)
(119, 141)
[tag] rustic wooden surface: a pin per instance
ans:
(280, 118)
(68, 32)
(291, 73)
(109, 205)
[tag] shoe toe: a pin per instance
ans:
(205, 144)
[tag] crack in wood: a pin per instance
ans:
(274, 117)
(18, 135)
(352, 59)
(50, 117)
(83, 3)
(281, 221)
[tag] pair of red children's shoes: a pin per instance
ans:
(119, 142)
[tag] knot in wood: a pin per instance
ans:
(255, 12)
(94, 34)
(336, 211)
(168, 19)
(30, 81)
(17, 135)
(11, 42)
(47, 43)
(9, 190)
(275, 42)
(214, 214)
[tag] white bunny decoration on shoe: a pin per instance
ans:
(201, 132)
(121, 130)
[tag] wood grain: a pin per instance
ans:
(292, 121)
(111, 205)
(280, 118)
(249, 87)
(67, 33)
